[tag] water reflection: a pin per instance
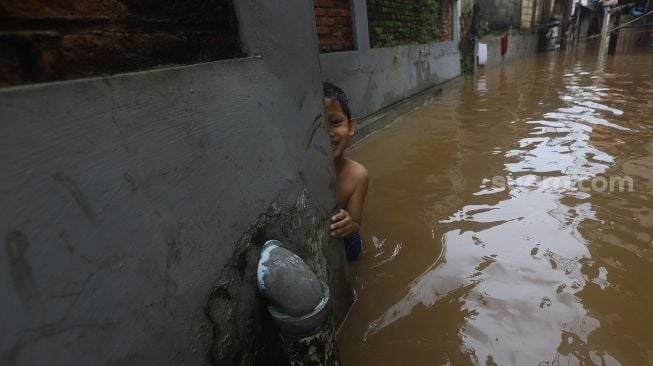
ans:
(458, 270)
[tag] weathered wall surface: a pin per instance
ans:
(527, 14)
(519, 45)
(633, 40)
(501, 14)
(375, 78)
(134, 205)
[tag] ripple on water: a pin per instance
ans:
(485, 247)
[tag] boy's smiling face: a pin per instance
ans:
(340, 127)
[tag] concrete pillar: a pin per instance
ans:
(361, 31)
(605, 35)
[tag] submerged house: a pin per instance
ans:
(631, 23)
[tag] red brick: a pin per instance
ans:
(334, 24)
(446, 22)
(327, 21)
(84, 54)
(11, 66)
(196, 11)
(343, 21)
(36, 9)
(57, 57)
(105, 43)
(325, 3)
(209, 46)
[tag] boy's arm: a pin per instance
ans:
(357, 199)
(347, 222)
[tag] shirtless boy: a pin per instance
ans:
(352, 177)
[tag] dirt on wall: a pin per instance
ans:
(238, 324)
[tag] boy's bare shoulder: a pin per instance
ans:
(357, 172)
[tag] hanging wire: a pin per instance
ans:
(634, 20)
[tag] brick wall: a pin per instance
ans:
(54, 40)
(333, 19)
(446, 20)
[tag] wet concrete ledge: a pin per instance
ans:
(381, 119)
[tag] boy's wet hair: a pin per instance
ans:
(333, 92)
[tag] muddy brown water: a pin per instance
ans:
(490, 236)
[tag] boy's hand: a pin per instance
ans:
(343, 226)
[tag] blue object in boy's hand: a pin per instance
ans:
(353, 246)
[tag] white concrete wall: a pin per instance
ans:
(519, 45)
(501, 13)
(376, 78)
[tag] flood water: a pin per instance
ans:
(496, 228)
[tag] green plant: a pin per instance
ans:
(407, 23)
(483, 28)
(428, 17)
(467, 65)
